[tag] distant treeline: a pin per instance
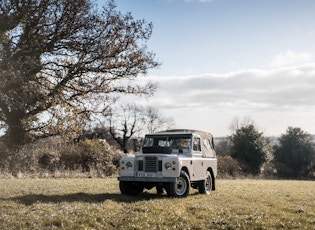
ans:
(246, 153)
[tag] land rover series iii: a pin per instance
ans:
(171, 160)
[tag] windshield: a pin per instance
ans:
(177, 144)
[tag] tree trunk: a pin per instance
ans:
(16, 135)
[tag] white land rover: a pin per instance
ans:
(174, 160)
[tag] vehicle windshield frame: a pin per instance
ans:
(167, 143)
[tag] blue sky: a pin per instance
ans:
(223, 59)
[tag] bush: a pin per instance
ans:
(284, 171)
(268, 170)
(90, 157)
(228, 167)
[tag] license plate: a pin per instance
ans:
(145, 174)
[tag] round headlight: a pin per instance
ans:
(128, 165)
(168, 166)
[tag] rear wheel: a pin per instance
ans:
(205, 186)
(181, 187)
(130, 188)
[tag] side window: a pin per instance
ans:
(206, 143)
(196, 146)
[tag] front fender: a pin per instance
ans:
(124, 170)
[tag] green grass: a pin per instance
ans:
(98, 204)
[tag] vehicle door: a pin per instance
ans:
(197, 159)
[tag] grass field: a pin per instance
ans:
(98, 204)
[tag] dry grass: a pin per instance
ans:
(98, 204)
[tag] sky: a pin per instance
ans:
(227, 59)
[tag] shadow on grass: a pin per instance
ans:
(83, 197)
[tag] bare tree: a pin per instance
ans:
(124, 123)
(131, 120)
(61, 61)
(155, 121)
(237, 123)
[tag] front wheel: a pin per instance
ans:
(205, 186)
(130, 188)
(181, 187)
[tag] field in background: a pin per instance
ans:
(98, 204)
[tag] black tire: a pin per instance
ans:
(205, 186)
(130, 188)
(181, 187)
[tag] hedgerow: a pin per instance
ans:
(53, 156)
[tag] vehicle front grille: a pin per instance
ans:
(150, 164)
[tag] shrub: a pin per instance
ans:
(228, 167)
(92, 157)
(284, 171)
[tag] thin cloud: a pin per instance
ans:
(275, 98)
(290, 58)
(251, 89)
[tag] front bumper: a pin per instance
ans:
(147, 179)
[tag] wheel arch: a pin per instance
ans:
(212, 176)
(185, 169)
